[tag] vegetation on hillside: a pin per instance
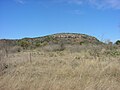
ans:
(61, 38)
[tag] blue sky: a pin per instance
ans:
(34, 18)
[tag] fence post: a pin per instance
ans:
(30, 57)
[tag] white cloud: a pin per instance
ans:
(115, 4)
(20, 1)
(99, 3)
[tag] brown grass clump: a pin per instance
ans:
(62, 70)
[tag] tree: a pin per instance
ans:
(117, 42)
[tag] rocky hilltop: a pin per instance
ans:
(76, 38)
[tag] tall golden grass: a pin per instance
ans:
(87, 69)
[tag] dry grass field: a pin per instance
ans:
(89, 69)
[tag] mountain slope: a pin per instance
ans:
(59, 38)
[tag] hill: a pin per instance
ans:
(59, 38)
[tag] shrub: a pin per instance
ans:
(38, 44)
(113, 53)
(24, 43)
(81, 43)
(117, 42)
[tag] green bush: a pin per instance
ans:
(38, 44)
(24, 43)
(117, 42)
(81, 43)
